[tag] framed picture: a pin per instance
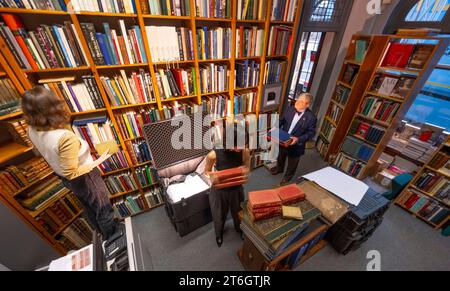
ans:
(271, 97)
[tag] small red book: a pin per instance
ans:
(290, 194)
(263, 198)
(398, 55)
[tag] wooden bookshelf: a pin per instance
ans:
(24, 78)
(12, 150)
(113, 196)
(403, 197)
(29, 186)
(11, 115)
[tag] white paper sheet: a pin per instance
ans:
(81, 260)
(191, 186)
(340, 184)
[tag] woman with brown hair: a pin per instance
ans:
(69, 156)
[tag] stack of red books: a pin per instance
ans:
(229, 178)
(266, 204)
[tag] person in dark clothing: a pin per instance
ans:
(222, 200)
(300, 122)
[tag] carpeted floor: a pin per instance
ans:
(404, 242)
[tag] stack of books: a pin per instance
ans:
(213, 9)
(153, 196)
(425, 207)
(95, 130)
(349, 164)
(392, 85)
(116, 162)
(176, 82)
(136, 88)
(58, 5)
(274, 72)
(214, 78)
(106, 6)
(138, 151)
(246, 74)
(251, 9)
(214, 43)
(18, 128)
(357, 148)
(280, 40)
(14, 178)
(283, 10)
(245, 103)
(129, 205)
(169, 43)
(371, 133)
(37, 198)
(120, 183)
(249, 42)
(379, 108)
(109, 48)
(78, 96)
(341, 94)
(419, 150)
(9, 97)
(147, 176)
(55, 46)
(79, 235)
(164, 7)
(131, 123)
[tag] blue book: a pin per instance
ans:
(110, 46)
(236, 104)
(245, 73)
(66, 55)
(108, 82)
(101, 43)
(205, 29)
(140, 43)
(215, 51)
(63, 5)
(280, 136)
(419, 204)
(19, 4)
(134, 6)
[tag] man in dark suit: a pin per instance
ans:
(299, 121)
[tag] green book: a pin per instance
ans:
(194, 80)
(149, 176)
(360, 52)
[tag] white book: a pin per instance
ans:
(26, 4)
(88, 96)
(129, 92)
(127, 5)
(109, 132)
(81, 47)
(76, 95)
(95, 135)
(95, 6)
(184, 76)
(108, 6)
(174, 48)
(116, 6)
(37, 58)
(146, 97)
(239, 9)
(104, 6)
(75, 5)
(67, 47)
(116, 42)
(126, 40)
(69, 95)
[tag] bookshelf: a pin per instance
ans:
(373, 118)
(427, 195)
(26, 78)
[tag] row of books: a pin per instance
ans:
(78, 96)
(136, 88)
(218, 105)
(407, 55)
(95, 130)
(328, 130)
(425, 207)
(284, 10)
(371, 133)
(341, 94)
(60, 213)
(120, 183)
(322, 146)
(350, 73)
(77, 235)
(129, 205)
(251, 9)
(335, 113)
(18, 128)
(106, 6)
(379, 108)
(213, 8)
(116, 162)
(433, 183)
(138, 151)
(349, 165)
(54, 46)
(439, 160)
(176, 82)
(169, 43)
(280, 40)
(214, 78)
(214, 43)
(9, 97)
(164, 7)
(58, 5)
(146, 176)
(110, 48)
(131, 123)
(398, 86)
(249, 42)
(176, 109)
(247, 74)
(38, 196)
(274, 71)
(245, 103)
(357, 148)
(153, 196)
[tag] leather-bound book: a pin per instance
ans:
(290, 194)
(264, 198)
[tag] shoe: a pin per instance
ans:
(219, 241)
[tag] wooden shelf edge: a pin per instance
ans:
(12, 150)
(10, 115)
(57, 70)
(123, 193)
(105, 14)
(115, 172)
(33, 183)
(33, 11)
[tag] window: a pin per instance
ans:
(322, 10)
(428, 11)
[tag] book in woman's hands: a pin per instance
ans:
(109, 146)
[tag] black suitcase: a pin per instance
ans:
(193, 212)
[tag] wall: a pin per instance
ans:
(20, 247)
(326, 47)
(359, 22)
